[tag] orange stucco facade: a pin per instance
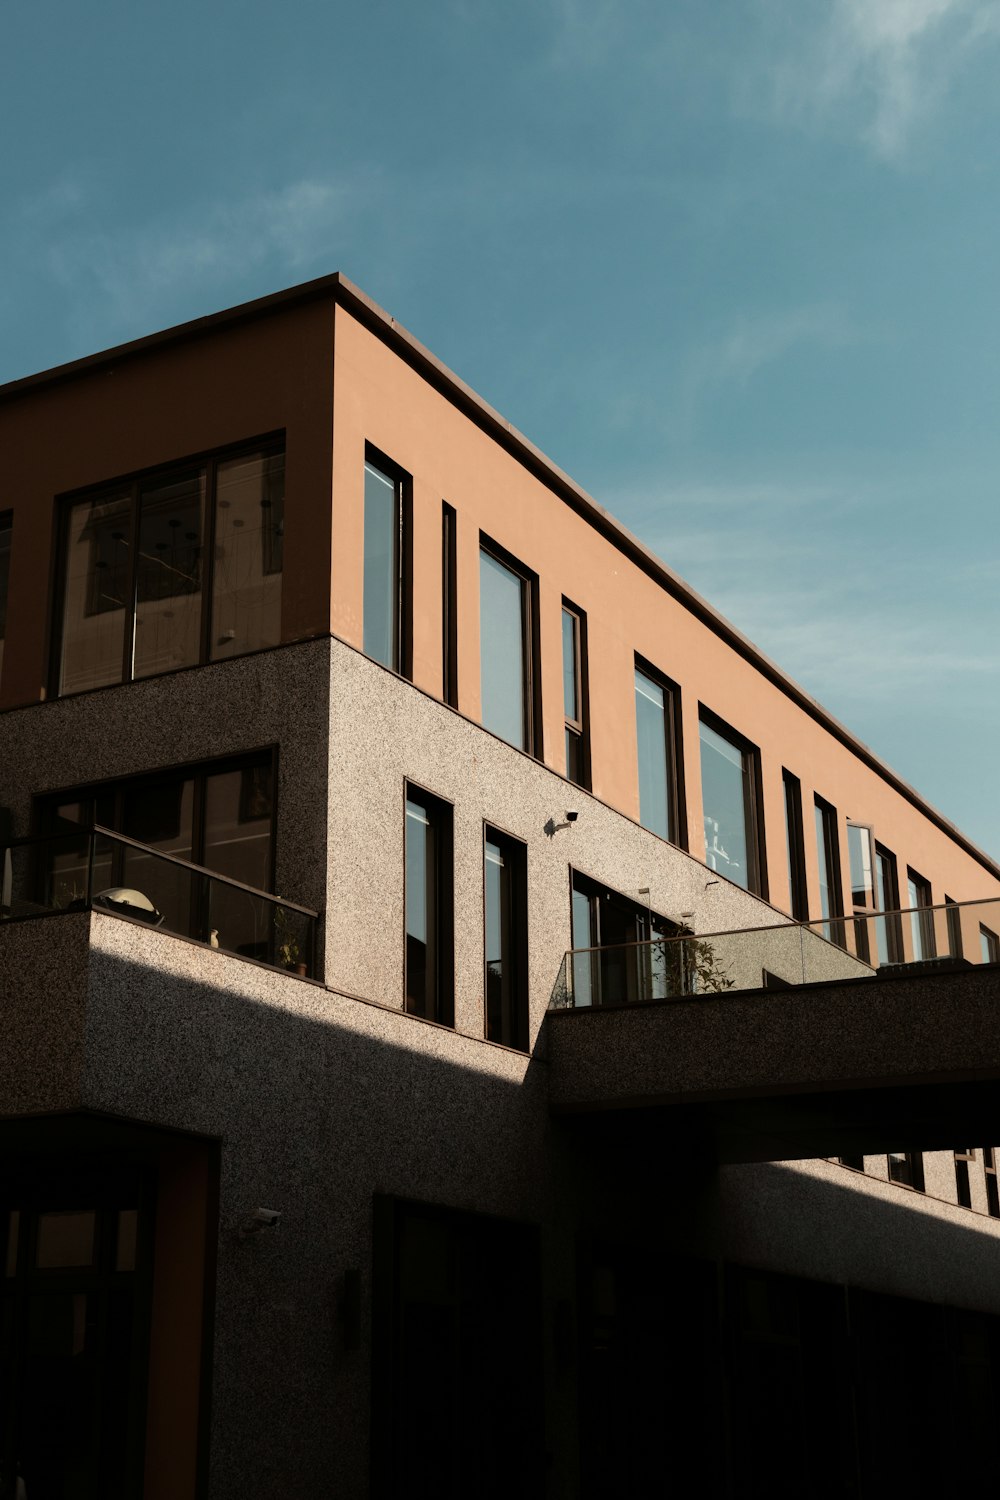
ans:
(334, 374)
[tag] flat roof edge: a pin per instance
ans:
(339, 289)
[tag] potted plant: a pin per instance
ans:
(289, 955)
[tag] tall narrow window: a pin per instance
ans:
(574, 651)
(387, 566)
(508, 650)
(861, 855)
(137, 598)
(657, 722)
(798, 899)
(730, 797)
(6, 527)
(888, 932)
(449, 605)
(989, 945)
(506, 947)
(429, 908)
(921, 917)
(828, 855)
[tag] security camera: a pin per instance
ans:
(571, 817)
(262, 1218)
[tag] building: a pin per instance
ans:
(334, 717)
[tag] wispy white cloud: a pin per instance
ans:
(735, 355)
(130, 272)
(883, 65)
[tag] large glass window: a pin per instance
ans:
(861, 857)
(6, 527)
(729, 802)
(657, 739)
(429, 903)
(574, 654)
(136, 598)
(219, 816)
(506, 956)
(507, 651)
(384, 573)
(616, 959)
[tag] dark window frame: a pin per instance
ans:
(449, 604)
(889, 910)
(921, 915)
(579, 728)
(197, 771)
(753, 807)
(991, 941)
(515, 852)
(629, 962)
(906, 1168)
(992, 1185)
(442, 811)
(531, 687)
(402, 633)
(674, 742)
(834, 880)
(795, 841)
(963, 1188)
(267, 445)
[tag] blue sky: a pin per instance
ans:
(733, 265)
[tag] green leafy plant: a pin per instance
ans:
(287, 939)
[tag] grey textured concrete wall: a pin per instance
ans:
(382, 734)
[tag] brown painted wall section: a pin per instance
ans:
(156, 407)
(380, 399)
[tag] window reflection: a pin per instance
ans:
(653, 735)
(134, 586)
(506, 941)
(429, 962)
(727, 800)
(503, 609)
(381, 572)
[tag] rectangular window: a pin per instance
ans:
(429, 908)
(387, 566)
(888, 932)
(6, 528)
(657, 723)
(627, 965)
(828, 855)
(963, 1188)
(219, 815)
(856, 1163)
(449, 604)
(730, 794)
(135, 596)
(575, 695)
(861, 858)
(921, 917)
(798, 898)
(989, 945)
(508, 634)
(506, 939)
(907, 1167)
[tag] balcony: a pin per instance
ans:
(867, 1033)
(94, 869)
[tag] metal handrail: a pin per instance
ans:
(93, 830)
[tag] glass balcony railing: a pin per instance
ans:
(792, 953)
(93, 869)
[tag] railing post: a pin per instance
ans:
(91, 843)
